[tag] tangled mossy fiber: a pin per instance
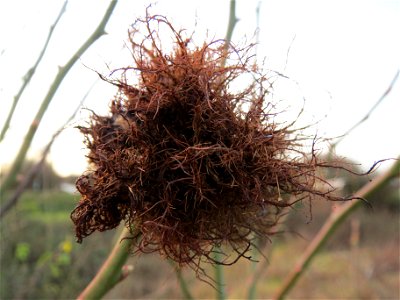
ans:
(184, 159)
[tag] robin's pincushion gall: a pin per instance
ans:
(186, 160)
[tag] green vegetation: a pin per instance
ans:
(38, 249)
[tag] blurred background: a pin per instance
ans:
(339, 59)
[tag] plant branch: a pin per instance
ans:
(17, 164)
(29, 74)
(231, 26)
(219, 275)
(112, 271)
(388, 90)
(182, 283)
(335, 219)
(28, 178)
(261, 267)
(232, 21)
(219, 272)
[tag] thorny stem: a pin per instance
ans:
(111, 271)
(63, 71)
(29, 74)
(335, 219)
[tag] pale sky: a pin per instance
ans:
(343, 56)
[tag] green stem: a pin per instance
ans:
(231, 26)
(219, 275)
(28, 76)
(232, 21)
(111, 271)
(251, 293)
(260, 268)
(17, 164)
(182, 283)
(219, 272)
(335, 219)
